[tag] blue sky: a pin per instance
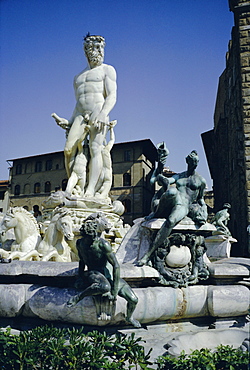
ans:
(168, 56)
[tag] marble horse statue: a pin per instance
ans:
(54, 245)
(27, 234)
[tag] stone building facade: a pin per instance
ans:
(4, 195)
(33, 178)
(227, 146)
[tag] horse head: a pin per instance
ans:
(64, 224)
(9, 221)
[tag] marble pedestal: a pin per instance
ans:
(41, 290)
(219, 246)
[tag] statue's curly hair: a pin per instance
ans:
(94, 224)
(89, 39)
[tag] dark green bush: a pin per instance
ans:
(59, 349)
(224, 358)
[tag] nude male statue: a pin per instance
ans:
(98, 280)
(95, 91)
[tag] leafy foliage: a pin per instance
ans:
(52, 348)
(224, 358)
(48, 347)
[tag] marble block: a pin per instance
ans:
(227, 270)
(219, 246)
(228, 300)
(12, 300)
(206, 339)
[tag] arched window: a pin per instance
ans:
(17, 190)
(48, 165)
(127, 205)
(38, 167)
(27, 189)
(47, 187)
(19, 169)
(28, 168)
(126, 179)
(37, 187)
(64, 184)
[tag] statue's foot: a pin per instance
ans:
(134, 322)
(150, 216)
(89, 194)
(73, 301)
(104, 317)
(109, 296)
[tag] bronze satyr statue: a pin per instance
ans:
(96, 253)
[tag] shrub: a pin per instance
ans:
(52, 348)
(224, 358)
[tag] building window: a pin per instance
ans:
(47, 187)
(127, 205)
(57, 166)
(37, 187)
(49, 165)
(28, 168)
(127, 155)
(2, 195)
(19, 169)
(17, 190)
(64, 184)
(127, 179)
(38, 167)
(27, 189)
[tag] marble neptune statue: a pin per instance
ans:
(95, 91)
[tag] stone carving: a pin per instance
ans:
(77, 180)
(61, 198)
(4, 260)
(104, 183)
(102, 277)
(180, 263)
(221, 219)
(95, 91)
(54, 245)
(176, 202)
(188, 342)
(87, 150)
(26, 230)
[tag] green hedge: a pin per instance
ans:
(61, 349)
(224, 358)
